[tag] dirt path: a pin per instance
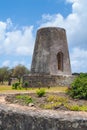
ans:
(4, 102)
(2, 99)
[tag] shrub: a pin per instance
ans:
(16, 85)
(78, 88)
(26, 84)
(40, 92)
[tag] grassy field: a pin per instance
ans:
(8, 89)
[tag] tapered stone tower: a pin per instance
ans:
(50, 63)
(51, 55)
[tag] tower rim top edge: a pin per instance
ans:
(51, 27)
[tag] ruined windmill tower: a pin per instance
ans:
(50, 63)
(51, 55)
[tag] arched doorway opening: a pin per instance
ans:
(60, 61)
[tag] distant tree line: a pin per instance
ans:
(6, 73)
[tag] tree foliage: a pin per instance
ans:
(19, 71)
(7, 73)
(4, 74)
(78, 88)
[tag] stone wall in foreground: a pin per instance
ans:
(20, 119)
(36, 80)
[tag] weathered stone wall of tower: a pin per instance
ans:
(50, 41)
(41, 56)
(50, 62)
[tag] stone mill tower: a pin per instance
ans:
(51, 55)
(50, 63)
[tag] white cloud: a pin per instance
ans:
(79, 53)
(78, 60)
(16, 41)
(2, 31)
(75, 25)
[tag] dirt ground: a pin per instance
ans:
(43, 103)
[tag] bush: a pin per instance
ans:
(78, 88)
(40, 92)
(16, 85)
(26, 84)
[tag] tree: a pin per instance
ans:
(10, 73)
(4, 74)
(19, 71)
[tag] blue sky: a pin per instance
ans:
(20, 19)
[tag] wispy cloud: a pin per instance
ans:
(16, 41)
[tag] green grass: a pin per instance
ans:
(6, 88)
(25, 98)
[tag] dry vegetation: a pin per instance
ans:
(8, 89)
(45, 98)
(55, 101)
(54, 98)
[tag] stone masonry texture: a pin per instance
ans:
(12, 118)
(49, 42)
(50, 63)
(35, 80)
